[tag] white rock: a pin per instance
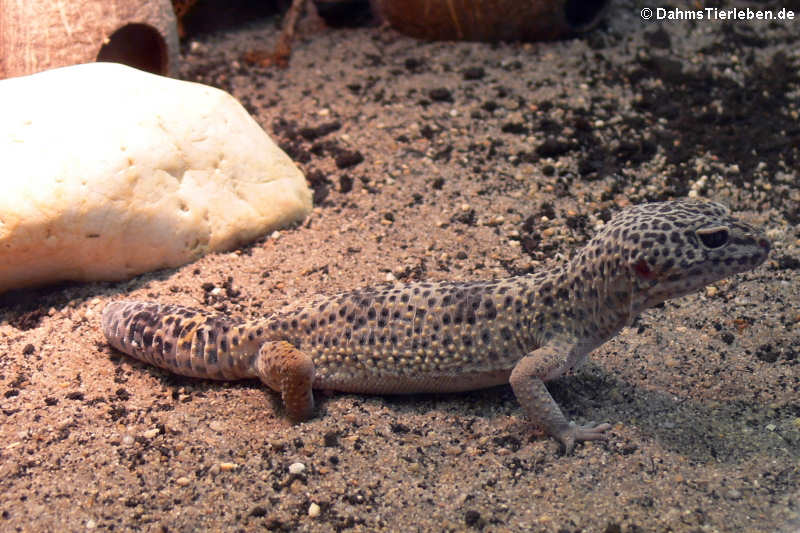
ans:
(108, 172)
(297, 468)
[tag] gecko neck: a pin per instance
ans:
(585, 299)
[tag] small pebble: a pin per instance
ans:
(227, 467)
(440, 94)
(313, 510)
(183, 481)
(296, 468)
(474, 73)
(150, 433)
(775, 234)
(453, 450)
(297, 486)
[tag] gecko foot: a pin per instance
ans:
(574, 433)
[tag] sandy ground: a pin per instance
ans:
(479, 161)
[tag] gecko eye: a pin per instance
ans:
(713, 237)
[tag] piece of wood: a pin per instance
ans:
(37, 35)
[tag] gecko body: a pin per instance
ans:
(456, 336)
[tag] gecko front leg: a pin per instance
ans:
(527, 381)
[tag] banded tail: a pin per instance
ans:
(185, 341)
(194, 343)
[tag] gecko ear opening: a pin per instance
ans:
(643, 270)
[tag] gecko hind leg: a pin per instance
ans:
(290, 372)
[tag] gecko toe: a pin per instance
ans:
(591, 431)
(575, 433)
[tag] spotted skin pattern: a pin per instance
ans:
(455, 336)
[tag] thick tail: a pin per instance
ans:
(185, 341)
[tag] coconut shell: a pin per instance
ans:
(37, 35)
(491, 20)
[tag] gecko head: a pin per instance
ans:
(669, 249)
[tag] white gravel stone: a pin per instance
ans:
(297, 468)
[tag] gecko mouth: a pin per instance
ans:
(745, 262)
